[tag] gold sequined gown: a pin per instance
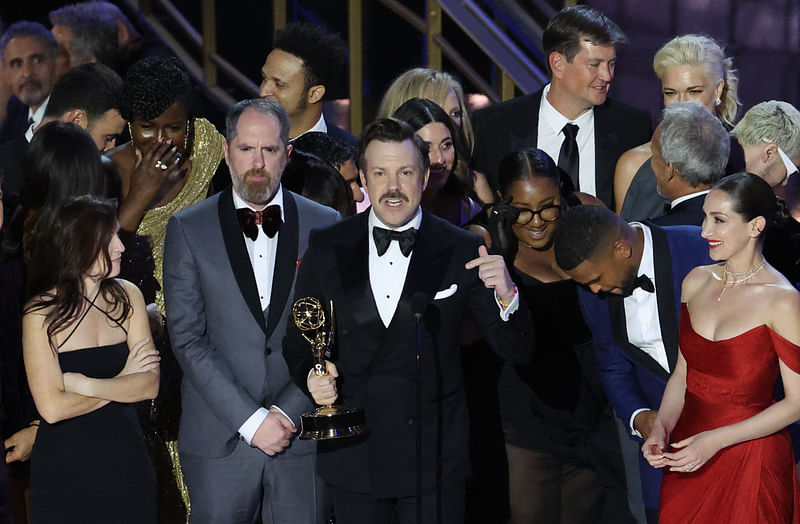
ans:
(160, 423)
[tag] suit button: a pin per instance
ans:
(411, 421)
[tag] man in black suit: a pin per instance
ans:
(300, 70)
(29, 54)
(690, 149)
(631, 276)
(377, 285)
(579, 44)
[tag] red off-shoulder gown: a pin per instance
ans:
(728, 381)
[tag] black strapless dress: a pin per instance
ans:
(94, 467)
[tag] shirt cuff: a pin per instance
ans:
(282, 412)
(248, 430)
(510, 309)
(634, 431)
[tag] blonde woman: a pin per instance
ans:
(691, 68)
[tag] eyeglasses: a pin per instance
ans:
(547, 213)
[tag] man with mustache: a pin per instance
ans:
(381, 269)
(632, 275)
(229, 270)
(29, 54)
(571, 118)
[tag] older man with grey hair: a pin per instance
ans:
(690, 149)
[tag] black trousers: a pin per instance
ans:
(360, 508)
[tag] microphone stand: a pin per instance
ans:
(418, 317)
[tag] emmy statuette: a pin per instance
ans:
(325, 422)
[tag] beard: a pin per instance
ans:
(31, 93)
(629, 284)
(256, 191)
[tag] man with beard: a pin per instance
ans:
(301, 69)
(229, 268)
(29, 53)
(381, 269)
(633, 273)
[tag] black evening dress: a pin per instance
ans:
(93, 467)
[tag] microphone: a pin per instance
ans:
(419, 302)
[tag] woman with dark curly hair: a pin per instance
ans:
(165, 168)
(89, 357)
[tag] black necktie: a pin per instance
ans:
(269, 219)
(644, 282)
(383, 237)
(568, 159)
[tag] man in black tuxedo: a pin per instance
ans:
(29, 54)
(377, 285)
(690, 149)
(631, 276)
(301, 69)
(571, 118)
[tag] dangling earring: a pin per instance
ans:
(717, 102)
(186, 139)
(130, 132)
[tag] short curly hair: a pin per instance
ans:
(152, 85)
(323, 54)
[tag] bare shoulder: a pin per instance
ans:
(627, 167)
(783, 302)
(133, 292)
(698, 278)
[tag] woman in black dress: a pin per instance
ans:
(89, 357)
(560, 437)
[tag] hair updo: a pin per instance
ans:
(152, 85)
(753, 197)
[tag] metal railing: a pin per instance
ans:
(516, 70)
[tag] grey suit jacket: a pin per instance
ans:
(229, 350)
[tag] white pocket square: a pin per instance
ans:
(449, 292)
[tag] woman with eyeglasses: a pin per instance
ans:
(560, 439)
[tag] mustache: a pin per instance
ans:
(33, 83)
(254, 171)
(394, 194)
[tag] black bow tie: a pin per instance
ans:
(644, 282)
(383, 237)
(269, 219)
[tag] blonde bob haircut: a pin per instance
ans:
(435, 85)
(701, 50)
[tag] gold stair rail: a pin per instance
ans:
(212, 64)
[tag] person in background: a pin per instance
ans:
(443, 89)
(691, 68)
(445, 195)
(317, 180)
(85, 37)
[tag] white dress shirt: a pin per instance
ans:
(641, 313)
(319, 127)
(550, 137)
(37, 117)
(262, 254)
(387, 273)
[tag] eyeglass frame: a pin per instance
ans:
(537, 212)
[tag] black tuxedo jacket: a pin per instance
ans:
(11, 155)
(513, 125)
(377, 364)
(338, 132)
(16, 122)
(687, 213)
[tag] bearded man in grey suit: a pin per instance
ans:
(229, 270)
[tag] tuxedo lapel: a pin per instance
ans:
(352, 262)
(666, 294)
(619, 328)
(606, 140)
(238, 257)
(285, 261)
(525, 131)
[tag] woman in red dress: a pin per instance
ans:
(720, 434)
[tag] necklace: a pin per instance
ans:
(738, 278)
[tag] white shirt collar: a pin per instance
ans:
(375, 221)
(647, 263)
(320, 127)
(684, 198)
(239, 202)
(37, 117)
(556, 120)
